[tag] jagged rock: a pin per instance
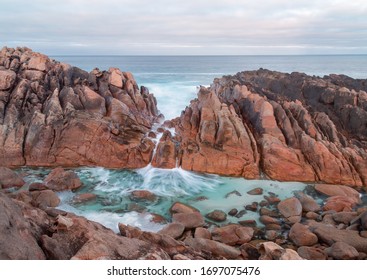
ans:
(9, 178)
(16, 235)
(7, 79)
(53, 114)
(60, 180)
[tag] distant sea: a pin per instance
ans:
(174, 79)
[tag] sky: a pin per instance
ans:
(185, 27)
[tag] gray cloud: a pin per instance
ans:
(185, 27)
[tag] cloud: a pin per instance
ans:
(185, 27)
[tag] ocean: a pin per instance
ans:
(174, 81)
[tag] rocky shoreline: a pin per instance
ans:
(259, 124)
(294, 228)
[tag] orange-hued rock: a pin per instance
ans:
(338, 190)
(53, 114)
(288, 127)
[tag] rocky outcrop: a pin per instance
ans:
(54, 114)
(288, 127)
(285, 126)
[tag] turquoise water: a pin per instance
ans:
(205, 192)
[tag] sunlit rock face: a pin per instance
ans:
(284, 126)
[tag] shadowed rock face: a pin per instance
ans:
(54, 114)
(286, 126)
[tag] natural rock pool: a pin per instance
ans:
(113, 203)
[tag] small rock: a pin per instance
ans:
(44, 199)
(291, 208)
(60, 180)
(241, 213)
(84, 197)
(272, 251)
(339, 203)
(217, 216)
(249, 252)
(175, 230)
(311, 253)
(180, 257)
(179, 207)
(189, 220)
(342, 251)
(143, 195)
(252, 207)
(256, 191)
(271, 235)
(233, 212)
(201, 232)
(273, 227)
(267, 212)
(9, 178)
(272, 200)
(151, 134)
(200, 198)
(158, 219)
(248, 223)
(263, 203)
(237, 193)
(269, 220)
(36, 186)
(344, 217)
(312, 216)
(302, 236)
(307, 202)
(233, 234)
(135, 207)
(216, 248)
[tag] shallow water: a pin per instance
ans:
(203, 191)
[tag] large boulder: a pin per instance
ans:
(17, 241)
(9, 178)
(233, 234)
(291, 209)
(61, 180)
(302, 236)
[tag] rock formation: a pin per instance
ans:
(288, 127)
(285, 126)
(53, 114)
